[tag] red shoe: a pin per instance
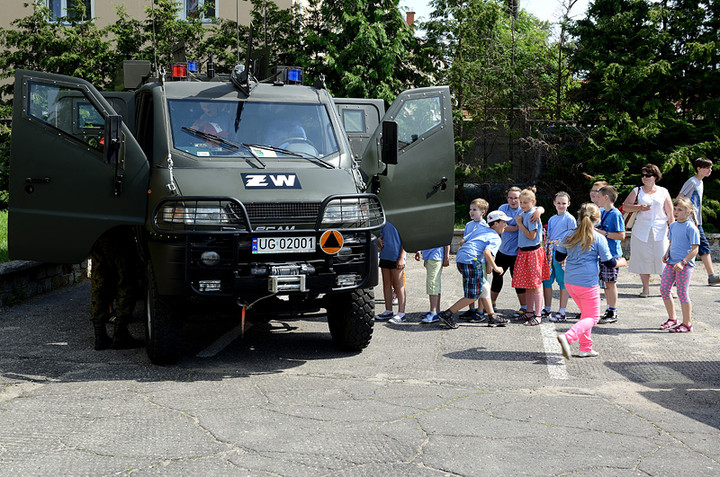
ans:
(681, 328)
(669, 324)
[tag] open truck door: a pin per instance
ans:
(75, 169)
(411, 160)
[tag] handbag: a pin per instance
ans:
(631, 216)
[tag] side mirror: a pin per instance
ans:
(389, 142)
(113, 131)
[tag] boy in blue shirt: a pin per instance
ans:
(693, 190)
(558, 225)
(612, 227)
(434, 261)
(477, 210)
(481, 242)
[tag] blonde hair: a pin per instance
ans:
(600, 183)
(528, 193)
(588, 216)
(687, 204)
(481, 204)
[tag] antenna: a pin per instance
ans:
(247, 57)
(154, 40)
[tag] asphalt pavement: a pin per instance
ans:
(419, 401)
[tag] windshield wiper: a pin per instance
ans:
(291, 153)
(224, 142)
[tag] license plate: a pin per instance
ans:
(283, 244)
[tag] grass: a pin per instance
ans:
(3, 236)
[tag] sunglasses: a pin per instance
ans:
(647, 175)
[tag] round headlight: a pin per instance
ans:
(210, 259)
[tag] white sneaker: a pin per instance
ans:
(564, 346)
(587, 354)
(398, 318)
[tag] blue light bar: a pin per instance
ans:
(294, 75)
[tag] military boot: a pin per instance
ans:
(122, 338)
(102, 340)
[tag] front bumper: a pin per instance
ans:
(180, 255)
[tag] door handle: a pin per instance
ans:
(37, 180)
(442, 185)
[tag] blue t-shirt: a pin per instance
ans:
(612, 221)
(558, 225)
(523, 241)
(472, 224)
(693, 190)
(481, 238)
(437, 253)
(682, 236)
(392, 244)
(582, 267)
(510, 239)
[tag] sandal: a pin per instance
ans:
(528, 315)
(681, 328)
(669, 324)
(534, 321)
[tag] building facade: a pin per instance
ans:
(103, 11)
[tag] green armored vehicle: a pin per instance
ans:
(240, 193)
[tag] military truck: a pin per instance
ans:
(240, 193)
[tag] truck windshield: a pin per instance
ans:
(286, 129)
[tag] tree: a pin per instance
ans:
(68, 45)
(363, 47)
(648, 85)
(498, 68)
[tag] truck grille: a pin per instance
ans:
(285, 211)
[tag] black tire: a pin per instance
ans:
(351, 317)
(163, 332)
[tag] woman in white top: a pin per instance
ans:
(649, 240)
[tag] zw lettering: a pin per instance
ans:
(271, 181)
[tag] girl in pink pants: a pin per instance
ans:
(584, 249)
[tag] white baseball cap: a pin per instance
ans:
(496, 215)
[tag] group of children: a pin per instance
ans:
(581, 255)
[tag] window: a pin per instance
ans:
(71, 9)
(416, 118)
(353, 120)
(205, 10)
(67, 110)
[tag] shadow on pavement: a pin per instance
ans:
(691, 388)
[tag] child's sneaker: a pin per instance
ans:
(681, 328)
(399, 318)
(446, 317)
(467, 315)
(497, 320)
(385, 315)
(429, 317)
(713, 279)
(479, 317)
(610, 316)
(587, 354)
(558, 317)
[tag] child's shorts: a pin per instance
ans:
(557, 274)
(432, 279)
(608, 274)
(472, 278)
(390, 264)
(485, 290)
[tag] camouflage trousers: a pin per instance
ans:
(114, 278)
